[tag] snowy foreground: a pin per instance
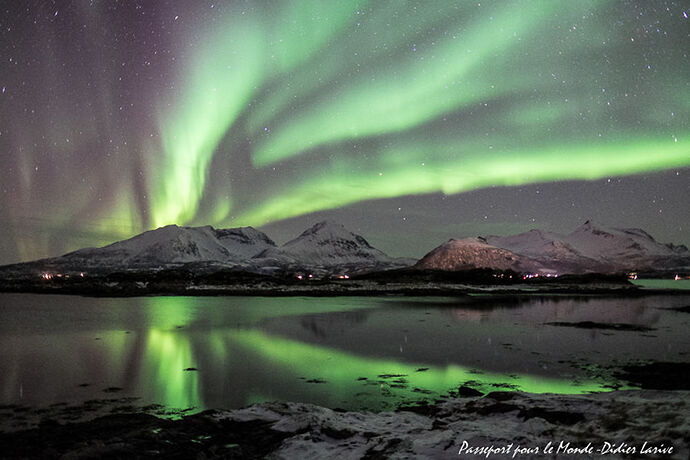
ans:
(500, 425)
(623, 424)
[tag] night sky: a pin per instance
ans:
(408, 122)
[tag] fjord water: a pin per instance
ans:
(346, 352)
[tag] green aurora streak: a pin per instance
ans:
(168, 352)
(384, 101)
(119, 119)
(220, 84)
(338, 367)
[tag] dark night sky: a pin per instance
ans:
(409, 122)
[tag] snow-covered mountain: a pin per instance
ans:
(175, 245)
(589, 248)
(592, 248)
(327, 247)
(621, 246)
(468, 253)
(551, 250)
(329, 244)
(244, 242)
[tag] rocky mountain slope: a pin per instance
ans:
(589, 248)
(469, 253)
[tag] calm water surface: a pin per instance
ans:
(353, 353)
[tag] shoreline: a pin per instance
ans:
(336, 289)
(508, 421)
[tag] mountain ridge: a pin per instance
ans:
(590, 248)
(328, 248)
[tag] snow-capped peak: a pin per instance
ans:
(244, 242)
(600, 242)
(590, 247)
(172, 244)
(328, 230)
(330, 243)
(591, 228)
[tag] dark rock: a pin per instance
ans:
(498, 408)
(611, 326)
(336, 433)
(421, 408)
(142, 435)
(657, 376)
(501, 395)
(558, 417)
(379, 452)
(468, 392)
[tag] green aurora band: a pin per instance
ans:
(121, 118)
(221, 82)
(324, 191)
(338, 367)
(161, 377)
(168, 349)
(392, 100)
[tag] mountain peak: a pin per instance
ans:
(246, 235)
(592, 227)
(327, 230)
(325, 226)
(472, 252)
(330, 243)
(468, 241)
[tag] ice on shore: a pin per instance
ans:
(499, 425)
(505, 420)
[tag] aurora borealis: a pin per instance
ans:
(406, 121)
